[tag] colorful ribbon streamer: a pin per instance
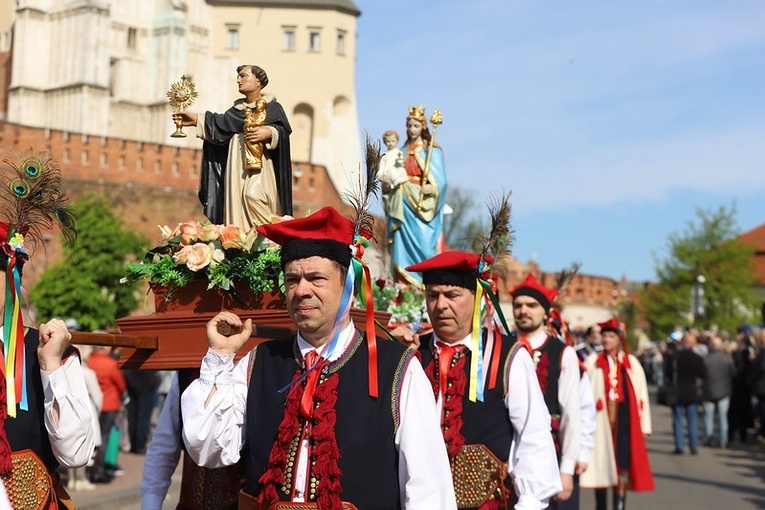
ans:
(14, 349)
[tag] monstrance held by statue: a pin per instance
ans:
(181, 95)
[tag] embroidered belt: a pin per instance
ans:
(248, 502)
(29, 485)
(209, 489)
(478, 476)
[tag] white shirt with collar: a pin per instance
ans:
(72, 436)
(532, 462)
(214, 434)
(568, 397)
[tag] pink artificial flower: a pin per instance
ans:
(278, 219)
(182, 255)
(208, 233)
(217, 255)
(167, 233)
(189, 232)
(231, 236)
(198, 256)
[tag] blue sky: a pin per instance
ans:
(610, 122)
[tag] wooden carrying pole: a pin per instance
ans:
(152, 342)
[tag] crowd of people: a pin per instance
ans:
(720, 375)
(125, 404)
(712, 374)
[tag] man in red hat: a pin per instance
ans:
(619, 458)
(557, 368)
(492, 415)
(328, 416)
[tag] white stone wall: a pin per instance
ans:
(103, 67)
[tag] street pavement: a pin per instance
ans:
(731, 479)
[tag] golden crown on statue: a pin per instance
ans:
(417, 111)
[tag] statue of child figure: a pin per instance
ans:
(253, 151)
(392, 172)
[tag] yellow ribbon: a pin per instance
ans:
(475, 344)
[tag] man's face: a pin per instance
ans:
(314, 287)
(450, 309)
(594, 337)
(529, 314)
(390, 141)
(611, 341)
(247, 82)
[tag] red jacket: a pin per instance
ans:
(110, 379)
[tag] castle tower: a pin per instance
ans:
(102, 67)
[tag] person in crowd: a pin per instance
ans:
(658, 363)
(687, 369)
(143, 390)
(113, 386)
(165, 380)
(757, 381)
(558, 373)
(511, 420)
(201, 488)
(593, 339)
(587, 442)
(298, 403)
(559, 328)
(78, 479)
(619, 459)
(718, 386)
(741, 412)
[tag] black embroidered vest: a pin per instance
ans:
(365, 427)
(553, 349)
(486, 422)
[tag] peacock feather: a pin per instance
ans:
(31, 198)
(498, 241)
(566, 275)
(367, 187)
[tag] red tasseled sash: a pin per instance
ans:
(324, 445)
(451, 416)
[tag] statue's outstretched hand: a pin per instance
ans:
(222, 344)
(187, 118)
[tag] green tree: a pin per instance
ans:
(707, 259)
(463, 226)
(85, 283)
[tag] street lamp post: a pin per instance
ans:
(697, 303)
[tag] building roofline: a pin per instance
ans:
(346, 6)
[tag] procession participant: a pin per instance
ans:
(415, 208)
(557, 369)
(228, 190)
(323, 403)
(500, 408)
(587, 411)
(45, 413)
(201, 488)
(619, 458)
